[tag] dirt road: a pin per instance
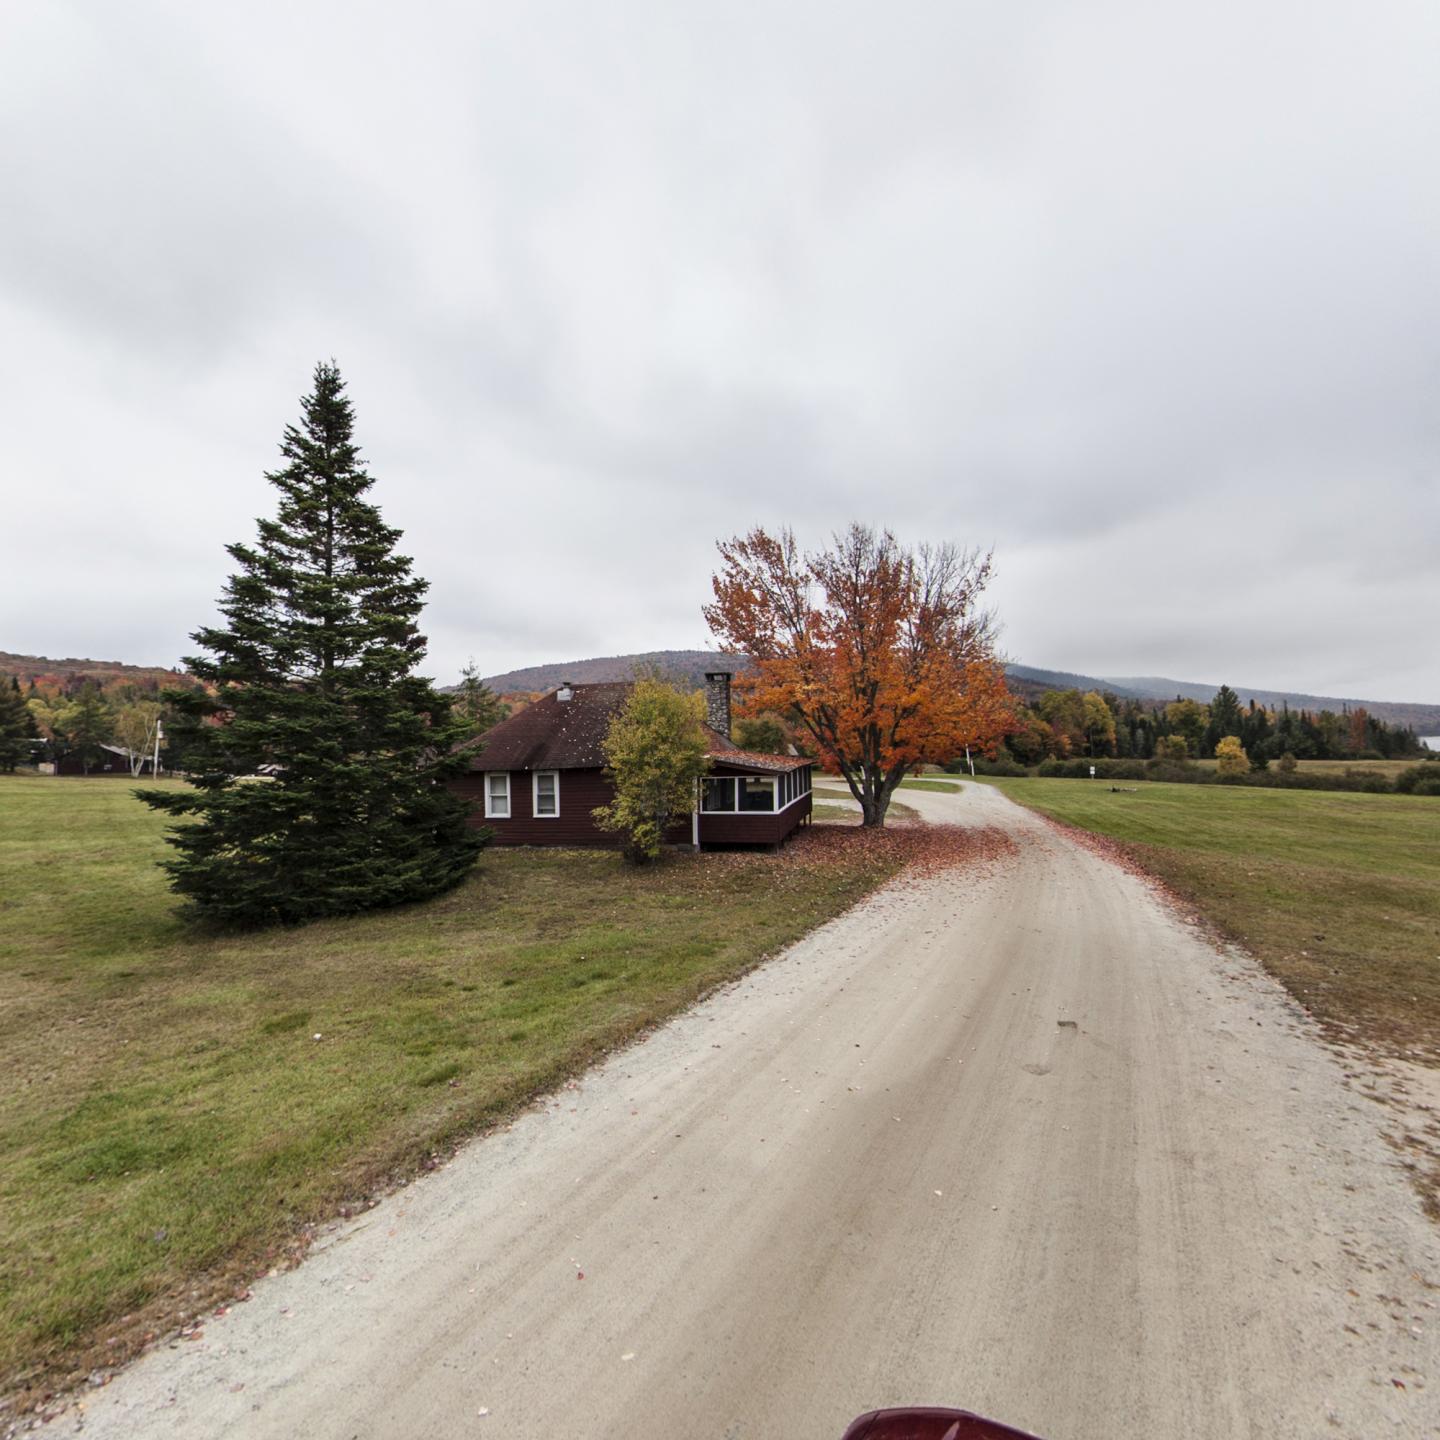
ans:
(1020, 1142)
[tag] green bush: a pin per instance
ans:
(1430, 785)
(1368, 782)
(1175, 772)
(1003, 765)
(1104, 769)
(1407, 780)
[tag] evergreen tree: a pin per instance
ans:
(476, 704)
(90, 726)
(1225, 718)
(1255, 731)
(17, 726)
(312, 683)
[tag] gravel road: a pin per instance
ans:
(1020, 1141)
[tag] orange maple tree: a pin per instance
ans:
(882, 654)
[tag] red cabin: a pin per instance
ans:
(537, 776)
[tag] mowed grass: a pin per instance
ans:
(169, 1121)
(1338, 894)
(1388, 768)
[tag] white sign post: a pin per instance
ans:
(1092, 772)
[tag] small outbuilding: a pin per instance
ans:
(537, 777)
(110, 760)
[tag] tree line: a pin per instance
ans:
(1065, 724)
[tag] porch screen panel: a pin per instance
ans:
(718, 794)
(757, 794)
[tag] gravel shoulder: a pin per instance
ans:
(1019, 1140)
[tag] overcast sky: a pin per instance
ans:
(1145, 295)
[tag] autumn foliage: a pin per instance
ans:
(881, 654)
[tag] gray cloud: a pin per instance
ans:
(1147, 296)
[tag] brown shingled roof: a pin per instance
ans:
(557, 734)
(726, 753)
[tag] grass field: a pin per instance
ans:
(1338, 894)
(179, 1106)
(1388, 768)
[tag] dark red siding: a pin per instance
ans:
(580, 792)
(753, 829)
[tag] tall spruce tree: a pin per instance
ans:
(312, 684)
(17, 725)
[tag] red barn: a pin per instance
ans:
(538, 776)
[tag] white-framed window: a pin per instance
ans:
(545, 795)
(497, 795)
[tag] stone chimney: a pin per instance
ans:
(565, 692)
(717, 701)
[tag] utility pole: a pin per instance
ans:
(159, 735)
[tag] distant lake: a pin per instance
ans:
(1433, 741)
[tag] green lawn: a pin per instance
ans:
(1338, 894)
(168, 1118)
(948, 787)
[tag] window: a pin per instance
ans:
(497, 795)
(718, 794)
(547, 794)
(752, 794)
(756, 793)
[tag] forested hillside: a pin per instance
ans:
(43, 670)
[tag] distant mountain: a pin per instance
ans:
(1027, 681)
(685, 666)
